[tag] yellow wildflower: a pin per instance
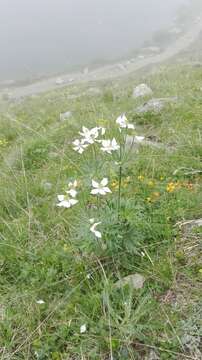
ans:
(151, 183)
(171, 187)
(141, 177)
(115, 184)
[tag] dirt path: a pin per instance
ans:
(109, 71)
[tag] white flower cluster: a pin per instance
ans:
(123, 123)
(89, 137)
(68, 200)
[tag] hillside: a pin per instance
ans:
(59, 293)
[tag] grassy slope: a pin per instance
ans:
(46, 253)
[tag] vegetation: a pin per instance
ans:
(59, 298)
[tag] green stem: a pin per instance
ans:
(119, 193)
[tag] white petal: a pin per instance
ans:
(107, 190)
(72, 192)
(61, 197)
(94, 191)
(105, 143)
(94, 231)
(98, 234)
(95, 184)
(75, 183)
(73, 202)
(103, 131)
(101, 191)
(40, 302)
(104, 182)
(83, 329)
(76, 142)
(131, 126)
(92, 221)
(65, 204)
(98, 223)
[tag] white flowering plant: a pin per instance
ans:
(104, 151)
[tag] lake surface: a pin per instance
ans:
(51, 36)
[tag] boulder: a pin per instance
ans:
(155, 105)
(136, 281)
(59, 81)
(141, 91)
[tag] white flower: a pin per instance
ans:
(93, 228)
(79, 146)
(89, 135)
(123, 123)
(102, 130)
(40, 302)
(83, 329)
(100, 188)
(66, 202)
(109, 146)
(72, 186)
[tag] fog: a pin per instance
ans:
(52, 36)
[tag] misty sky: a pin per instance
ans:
(44, 36)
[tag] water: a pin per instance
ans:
(50, 36)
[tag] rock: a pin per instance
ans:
(141, 91)
(121, 67)
(65, 116)
(59, 81)
(155, 105)
(136, 141)
(152, 356)
(190, 224)
(136, 281)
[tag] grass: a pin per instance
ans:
(48, 253)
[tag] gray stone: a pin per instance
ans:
(65, 116)
(152, 356)
(136, 141)
(155, 105)
(121, 67)
(59, 81)
(141, 91)
(136, 281)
